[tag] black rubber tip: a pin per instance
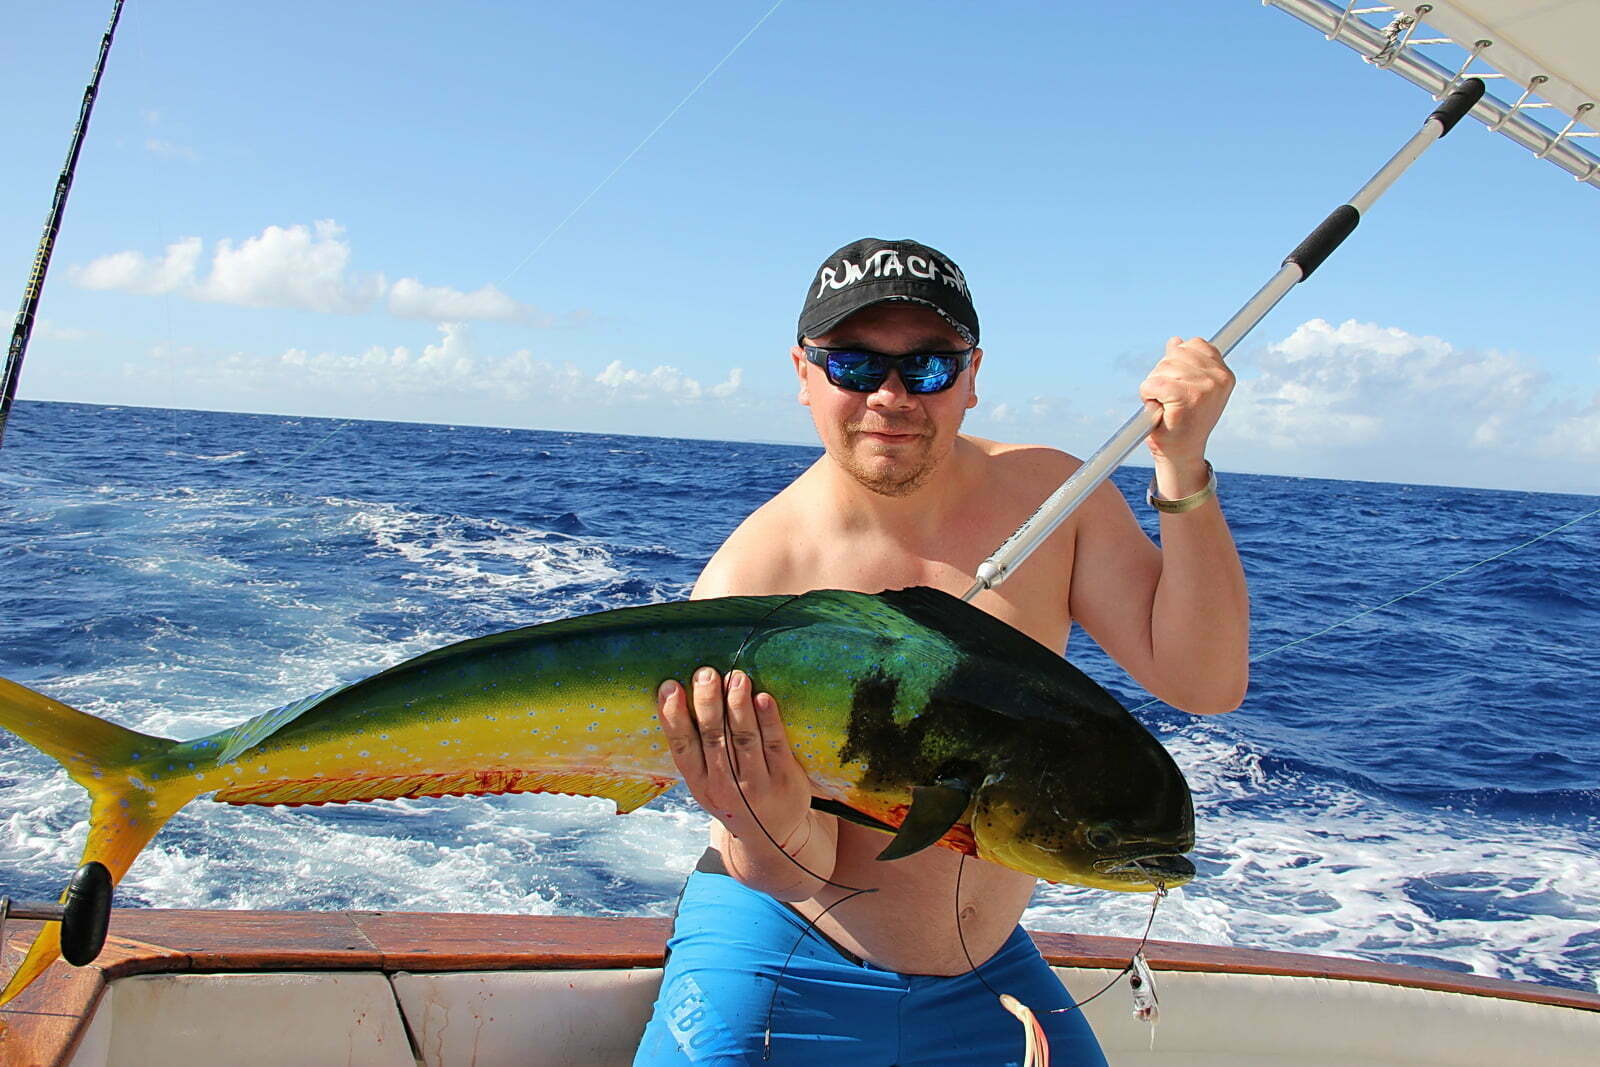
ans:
(86, 913)
(1320, 242)
(1457, 104)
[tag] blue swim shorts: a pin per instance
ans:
(727, 953)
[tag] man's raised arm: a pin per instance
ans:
(1178, 618)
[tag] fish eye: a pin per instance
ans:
(1102, 837)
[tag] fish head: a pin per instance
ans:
(1107, 812)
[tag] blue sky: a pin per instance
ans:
(329, 209)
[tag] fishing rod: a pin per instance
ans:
(23, 329)
(1307, 256)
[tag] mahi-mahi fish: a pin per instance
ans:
(911, 711)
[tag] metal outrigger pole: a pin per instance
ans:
(52, 225)
(1297, 267)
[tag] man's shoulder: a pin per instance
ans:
(757, 558)
(1023, 464)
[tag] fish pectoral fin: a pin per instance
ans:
(626, 791)
(934, 810)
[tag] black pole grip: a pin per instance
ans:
(1457, 104)
(1320, 242)
(85, 914)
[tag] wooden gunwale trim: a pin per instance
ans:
(44, 1025)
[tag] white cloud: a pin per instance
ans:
(450, 371)
(1041, 410)
(168, 149)
(1051, 419)
(1359, 384)
(44, 329)
(410, 299)
(300, 267)
(293, 267)
(132, 272)
(1360, 400)
(1575, 437)
(662, 383)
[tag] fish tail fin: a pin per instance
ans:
(127, 807)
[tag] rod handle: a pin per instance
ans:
(1320, 242)
(84, 913)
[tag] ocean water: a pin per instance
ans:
(1421, 785)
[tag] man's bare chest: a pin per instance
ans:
(1035, 602)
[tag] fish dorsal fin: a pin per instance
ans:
(626, 791)
(1042, 678)
(247, 735)
(878, 613)
(972, 629)
(733, 611)
(730, 611)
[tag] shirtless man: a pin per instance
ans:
(902, 498)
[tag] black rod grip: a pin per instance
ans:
(86, 914)
(1320, 242)
(1458, 104)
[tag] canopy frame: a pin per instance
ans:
(1402, 43)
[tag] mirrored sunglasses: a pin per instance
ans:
(861, 370)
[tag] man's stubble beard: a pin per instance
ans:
(900, 483)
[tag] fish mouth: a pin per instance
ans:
(1157, 868)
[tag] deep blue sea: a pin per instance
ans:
(1421, 785)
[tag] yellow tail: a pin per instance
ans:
(127, 805)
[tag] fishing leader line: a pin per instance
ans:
(1037, 1045)
(733, 770)
(1161, 893)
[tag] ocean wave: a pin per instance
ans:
(1415, 785)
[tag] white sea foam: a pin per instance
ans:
(466, 558)
(1317, 867)
(1324, 870)
(306, 629)
(521, 854)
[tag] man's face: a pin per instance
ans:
(889, 440)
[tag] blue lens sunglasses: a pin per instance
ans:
(861, 370)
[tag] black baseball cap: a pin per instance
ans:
(873, 270)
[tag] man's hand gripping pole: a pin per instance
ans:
(1297, 267)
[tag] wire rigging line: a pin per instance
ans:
(1395, 600)
(1424, 588)
(284, 464)
(638, 147)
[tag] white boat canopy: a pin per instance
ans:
(1540, 57)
